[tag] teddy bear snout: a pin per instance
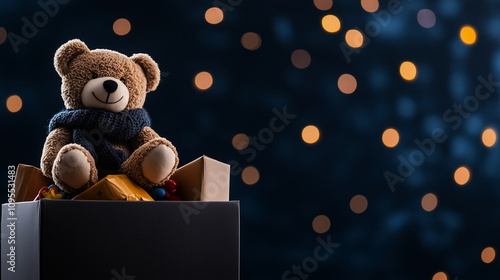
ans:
(110, 86)
(106, 93)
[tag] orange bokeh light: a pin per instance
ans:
(122, 26)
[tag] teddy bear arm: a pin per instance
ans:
(56, 139)
(145, 135)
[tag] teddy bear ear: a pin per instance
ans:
(66, 53)
(150, 69)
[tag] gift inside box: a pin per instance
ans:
(203, 179)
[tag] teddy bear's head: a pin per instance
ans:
(104, 79)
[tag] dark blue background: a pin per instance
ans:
(394, 238)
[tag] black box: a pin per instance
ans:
(62, 239)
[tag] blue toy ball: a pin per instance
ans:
(158, 194)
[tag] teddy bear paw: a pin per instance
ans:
(158, 163)
(73, 169)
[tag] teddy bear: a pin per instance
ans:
(104, 129)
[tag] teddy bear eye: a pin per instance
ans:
(94, 75)
(122, 80)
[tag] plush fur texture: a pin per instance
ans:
(77, 65)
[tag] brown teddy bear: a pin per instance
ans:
(104, 129)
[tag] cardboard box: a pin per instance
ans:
(115, 187)
(68, 239)
(87, 239)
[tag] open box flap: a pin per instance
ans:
(204, 179)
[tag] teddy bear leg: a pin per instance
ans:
(74, 169)
(152, 164)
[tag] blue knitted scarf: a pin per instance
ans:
(94, 129)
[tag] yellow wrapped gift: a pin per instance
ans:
(115, 187)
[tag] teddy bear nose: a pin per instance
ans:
(110, 86)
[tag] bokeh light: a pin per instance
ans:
(310, 134)
(3, 35)
(214, 15)
(429, 202)
(250, 175)
(489, 137)
(468, 35)
(321, 224)
(240, 141)
(14, 103)
(408, 70)
(122, 26)
(390, 137)
(301, 59)
(440, 276)
(323, 5)
(203, 80)
(426, 18)
(370, 5)
(462, 175)
(347, 83)
(251, 41)
(330, 23)
(488, 255)
(354, 38)
(358, 204)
